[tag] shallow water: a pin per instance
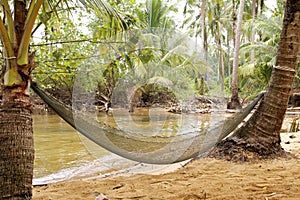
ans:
(57, 146)
(155, 122)
(62, 153)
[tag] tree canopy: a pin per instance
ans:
(65, 44)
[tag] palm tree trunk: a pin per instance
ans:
(16, 132)
(203, 32)
(221, 64)
(252, 56)
(228, 57)
(233, 21)
(235, 102)
(17, 152)
(204, 40)
(260, 136)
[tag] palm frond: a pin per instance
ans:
(246, 70)
(101, 7)
(160, 81)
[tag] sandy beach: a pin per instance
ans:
(200, 179)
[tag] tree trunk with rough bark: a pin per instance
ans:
(17, 152)
(260, 136)
(16, 132)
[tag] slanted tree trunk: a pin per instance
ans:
(260, 136)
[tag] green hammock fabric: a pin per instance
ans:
(153, 150)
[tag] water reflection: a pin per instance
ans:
(155, 122)
(57, 146)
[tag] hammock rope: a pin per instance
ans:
(147, 149)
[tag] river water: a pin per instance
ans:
(63, 154)
(57, 146)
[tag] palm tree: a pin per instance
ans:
(16, 134)
(235, 102)
(159, 45)
(156, 15)
(265, 50)
(254, 13)
(219, 25)
(260, 136)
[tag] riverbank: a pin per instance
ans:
(200, 179)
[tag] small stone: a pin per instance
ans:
(292, 136)
(101, 197)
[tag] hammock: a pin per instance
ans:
(155, 149)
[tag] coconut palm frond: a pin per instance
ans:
(100, 7)
(155, 11)
(203, 67)
(179, 39)
(171, 53)
(269, 27)
(155, 15)
(106, 10)
(160, 81)
(139, 67)
(193, 63)
(263, 49)
(246, 70)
